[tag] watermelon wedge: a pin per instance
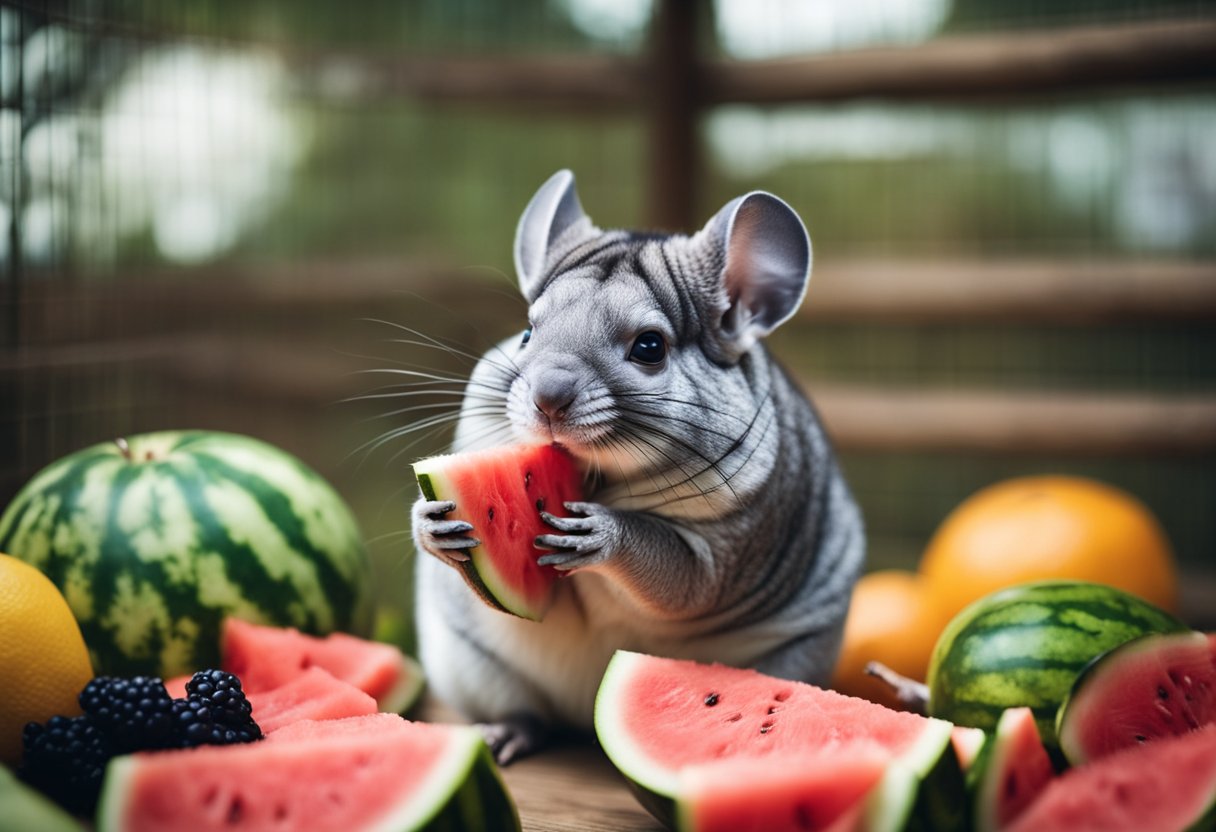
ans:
(501, 492)
(656, 718)
(1010, 771)
(269, 657)
(314, 694)
(1156, 686)
(376, 772)
(1164, 786)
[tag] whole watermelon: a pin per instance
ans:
(154, 539)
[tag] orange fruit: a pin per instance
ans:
(892, 619)
(1035, 528)
(43, 660)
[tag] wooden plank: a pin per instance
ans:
(985, 66)
(671, 110)
(1063, 292)
(860, 418)
(1051, 292)
(1064, 423)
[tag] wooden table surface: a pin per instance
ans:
(573, 788)
(570, 787)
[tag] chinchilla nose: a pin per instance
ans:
(553, 391)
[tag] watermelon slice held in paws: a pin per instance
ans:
(265, 658)
(376, 772)
(501, 492)
(657, 717)
(1156, 686)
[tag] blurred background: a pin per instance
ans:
(217, 214)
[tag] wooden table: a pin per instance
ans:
(573, 788)
(570, 787)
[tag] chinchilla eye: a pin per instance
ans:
(527, 336)
(648, 348)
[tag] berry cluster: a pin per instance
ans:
(66, 758)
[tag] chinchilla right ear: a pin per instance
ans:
(553, 211)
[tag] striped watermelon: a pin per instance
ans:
(1025, 645)
(155, 539)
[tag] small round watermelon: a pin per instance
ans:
(155, 539)
(1024, 646)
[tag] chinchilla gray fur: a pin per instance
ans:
(717, 526)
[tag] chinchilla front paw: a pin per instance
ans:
(584, 541)
(446, 539)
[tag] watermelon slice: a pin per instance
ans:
(376, 772)
(265, 658)
(657, 717)
(1156, 686)
(314, 694)
(1164, 786)
(811, 790)
(1010, 771)
(501, 492)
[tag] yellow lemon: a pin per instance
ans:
(43, 660)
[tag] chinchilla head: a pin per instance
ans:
(641, 349)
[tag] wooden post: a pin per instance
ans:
(673, 102)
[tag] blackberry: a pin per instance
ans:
(66, 760)
(214, 712)
(136, 713)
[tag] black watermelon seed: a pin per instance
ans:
(711, 699)
(540, 504)
(1162, 693)
(1141, 738)
(491, 512)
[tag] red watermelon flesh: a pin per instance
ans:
(1153, 687)
(655, 717)
(369, 772)
(811, 791)
(265, 658)
(1164, 786)
(501, 492)
(1014, 770)
(314, 694)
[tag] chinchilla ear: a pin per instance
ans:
(767, 267)
(554, 209)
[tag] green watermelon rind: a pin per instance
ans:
(1104, 664)
(983, 779)
(91, 523)
(466, 793)
(478, 571)
(408, 689)
(936, 805)
(1066, 623)
(26, 809)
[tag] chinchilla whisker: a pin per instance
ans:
(459, 395)
(695, 405)
(428, 341)
(484, 408)
(694, 453)
(699, 425)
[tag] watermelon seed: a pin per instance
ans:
(236, 811)
(540, 504)
(280, 812)
(711, 700)
(1162, 692)
(766, 727)
(803, 817)
(210, 795)
(1140, 738)
(734, 718)
(773, 709)
(781, 695)
(491, 513)
(527, 479)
